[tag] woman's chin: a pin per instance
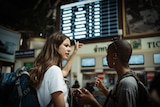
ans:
(65, 58)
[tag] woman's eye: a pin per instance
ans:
(66, 45)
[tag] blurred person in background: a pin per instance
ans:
(76, 84)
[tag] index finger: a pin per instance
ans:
(75, 41)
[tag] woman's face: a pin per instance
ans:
(64, 49)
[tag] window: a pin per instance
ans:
(89, 19)
(88, 62)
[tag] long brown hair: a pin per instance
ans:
(47, 57)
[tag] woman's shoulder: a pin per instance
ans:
(53, 68)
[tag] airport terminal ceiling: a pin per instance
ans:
(28, 15)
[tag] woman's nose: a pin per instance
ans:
(69, 49)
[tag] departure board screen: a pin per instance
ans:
(89, 19)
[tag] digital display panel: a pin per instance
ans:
(104, 61)
(137, 59)
(89, 19)
(88, 62)
(156, 58)
(9, 44)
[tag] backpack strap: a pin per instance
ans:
(19, 90)
(50, 103)
(19, 73)
(112, 95)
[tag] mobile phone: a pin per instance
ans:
(77, 92)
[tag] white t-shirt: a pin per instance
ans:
(53, 81)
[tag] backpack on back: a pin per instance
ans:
(143, 93)
(15, 90)
(143, 100)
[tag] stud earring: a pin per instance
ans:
(114, 63)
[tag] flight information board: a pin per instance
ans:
(89, 19)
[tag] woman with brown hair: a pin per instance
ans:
(47, 76)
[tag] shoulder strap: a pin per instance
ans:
(113, 95)
(139, 83)
(129, 74)
(137, 79)
(50, 103)
(19, 72)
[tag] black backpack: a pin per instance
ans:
(15, 90)
(143, 100)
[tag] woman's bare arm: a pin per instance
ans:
(58, 99)
(68, 65)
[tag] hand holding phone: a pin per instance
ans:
(77, 92)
